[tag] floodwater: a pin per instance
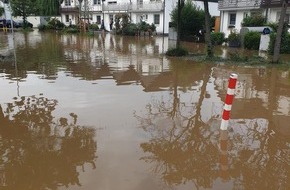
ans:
(110, 112)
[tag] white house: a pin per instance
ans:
(232, 12)
(94, 11)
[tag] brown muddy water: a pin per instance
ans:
(113, 113)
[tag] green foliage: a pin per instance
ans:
(252, 40)
(122, 20)
(152, 27)
(273, 25)
(42, 27)
(49, 7)
(217, 38)
(55, 24)
(130, 30)
(25, 8)
(255, 20)
(1, 11)
(234, 39)
(285, 43)
(143, 26)
(192, 19)
(94, 27)
(177, 52)
(70, 30)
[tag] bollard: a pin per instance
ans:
(229, 101)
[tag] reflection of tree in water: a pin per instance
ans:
(259, 157)
(185, 149)
(181, 145)
(39, 151)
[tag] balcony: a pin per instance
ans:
(69, 9)
(145, 7)
(271, 3)
(238, 4)
(116, 7)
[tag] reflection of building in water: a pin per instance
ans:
(259, 95)
(118, 52)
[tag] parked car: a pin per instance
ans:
(7, 23)
(20, 23)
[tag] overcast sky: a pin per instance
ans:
(213, 8)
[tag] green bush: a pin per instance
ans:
(234, 39)
(130, 29)
(71, 30)
(252, 40)
(256, 20)
(55, 24)
(93, 27)
(285, 41)
(217, 38)
(177, 52)
(41, 27)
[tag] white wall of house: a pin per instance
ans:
(226, 27)
(273, 14)
(99, 11)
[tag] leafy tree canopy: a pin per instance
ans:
(24, 8)
(192, 19)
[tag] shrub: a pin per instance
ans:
(41, 27)
(217, 38)
(285, 41)
(234, 39)
(55, 24)
(255, 20)
(178, 52)
(94, 27)
(130, 29)
(252, 40)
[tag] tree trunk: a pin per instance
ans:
(277, 45)
(207, 30)
(180, 6)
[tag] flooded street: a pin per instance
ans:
(112, 113)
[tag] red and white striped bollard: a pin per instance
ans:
(229, 101)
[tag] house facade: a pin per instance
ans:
(232, 12)
(94, 11)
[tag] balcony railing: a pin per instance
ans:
(152, 7)
(69, 9)
(116, 7)
(238, 4)
(271, 3)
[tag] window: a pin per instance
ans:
(67, 3)
(232, 19)
(97, 2)
(66, 18)
(98, 19)
(157, 19)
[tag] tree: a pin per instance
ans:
(277, 45)
(180, 7)
(207, 29)
(49, 7)
(24, 8)
(191, 21)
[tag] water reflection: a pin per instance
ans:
(177, 103)
(39, 151)
(184, 146)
